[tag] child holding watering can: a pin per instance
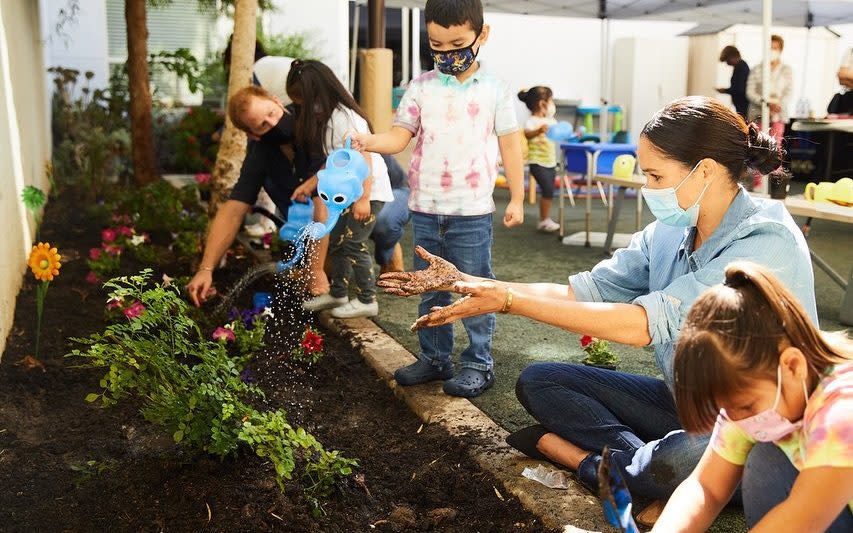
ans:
(781, 392)
(327, 112)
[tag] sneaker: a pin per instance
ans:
(548, 226)
(256, 230)
(355, 308)
(469, 383)
(423, 372)
(324, 301)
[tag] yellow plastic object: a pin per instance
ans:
(819, 192)
(623, 166)
(842, 192)
(500, 181)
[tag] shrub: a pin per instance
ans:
(191, 386)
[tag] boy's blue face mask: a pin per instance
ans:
(663, 203)
(455, 61)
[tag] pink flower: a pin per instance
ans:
(112, 250)
(135, 310)
(94, 253)
(114, 303)
(586, 340)
(92, 278)
(221, 334)
(108, 235)
(127, 231)
(267, 240)
(202, 178)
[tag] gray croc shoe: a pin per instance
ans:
(423, 372)
(469, 383)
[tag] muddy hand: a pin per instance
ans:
(440, 275)
(478, 298)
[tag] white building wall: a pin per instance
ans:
(326, 24)
(24, 142)
(81, 43)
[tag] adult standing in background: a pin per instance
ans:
(781, 87)
(740, 74)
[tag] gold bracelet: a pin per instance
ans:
(507, 302)
(209, 269)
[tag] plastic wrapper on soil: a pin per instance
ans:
(551, 478)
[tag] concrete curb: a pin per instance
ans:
(556, 508)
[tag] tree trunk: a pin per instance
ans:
(141, 128)
(232, 147)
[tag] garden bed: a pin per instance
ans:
(70, 465)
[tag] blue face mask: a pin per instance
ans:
(663, 203)
(455, 61)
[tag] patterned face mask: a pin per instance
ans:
(455, 61)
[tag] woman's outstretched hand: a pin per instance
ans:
(479, 298)
(440, 275)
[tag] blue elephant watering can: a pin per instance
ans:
(340, 184)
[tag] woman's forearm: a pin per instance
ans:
(543, 290)
(618, 322)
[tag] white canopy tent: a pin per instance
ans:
(767, 13)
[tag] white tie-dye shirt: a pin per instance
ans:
(454, 163)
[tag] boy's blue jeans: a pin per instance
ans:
(465, 241)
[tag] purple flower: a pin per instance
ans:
(247, 376)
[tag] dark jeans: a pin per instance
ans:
(634, 415)
(350, 255)
(465, 241)
(767, 480)
(389, 225)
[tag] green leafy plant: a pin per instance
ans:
(191, 386)
(88, 470)
(34, 199)
(181, 62)
(296, 45)
(598, 352)
(91, 142)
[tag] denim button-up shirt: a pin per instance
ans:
(661, 271)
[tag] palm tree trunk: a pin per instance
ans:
(141, 128)
(232, 148)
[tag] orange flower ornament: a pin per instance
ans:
(44, 262)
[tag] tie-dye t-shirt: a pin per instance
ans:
(825, 438)
(454, 162)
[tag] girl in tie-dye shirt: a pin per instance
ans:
(779, 394)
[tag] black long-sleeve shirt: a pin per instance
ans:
(737, 87)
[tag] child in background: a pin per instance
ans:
(460, 115)
(781, 392)
(542, 158)
(314, 87)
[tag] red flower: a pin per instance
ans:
(127, 231)
(95, 253)
(312, 342)
(108, 235)
(112, 249)
(202, 178)
(92, 278)
(134, 310)
(586, 340)
(221, 334)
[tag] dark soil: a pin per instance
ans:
(66, 465)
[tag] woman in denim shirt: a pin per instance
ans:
(693, 152)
